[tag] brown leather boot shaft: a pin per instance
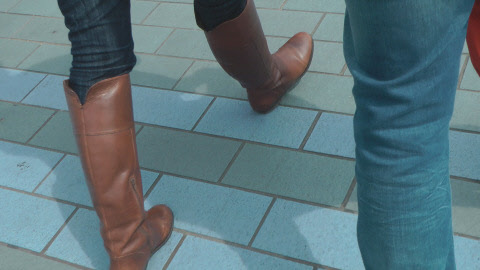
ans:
(105, 134)
(240, 47)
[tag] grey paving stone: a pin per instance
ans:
(49, 58)
(16, 259)
(466, 207)
(19, 122)
(8, 4)
(323, 92)
(49, 93)
(139, 10)
(292, 174)
(12, 23)
(185, 154)
(331, 28)
(14, 51)
(471, 79)
(465, 154)
(158, 71)
(51, 30)
(328, 57)
(269, 3)
(353, 201)
(466, 115)
(16, 84)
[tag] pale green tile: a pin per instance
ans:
(323, 92)
(353, 201)
(140, 9)
(57, 134)
(158, 71)
(466, 114)
(471, 79)
(279, 23)
(331, 28)
(269, 3)
(292, 174)
(173, 15)
(14, 51)
(466, 207)
(49, 58)
(337, 6)
(327, 57)
(187, 43)
(148, 38)
(45, 29)
(185, 154)
(16, 259)
(5, 5)
(38, 7)
(12, 23)
(19, 122)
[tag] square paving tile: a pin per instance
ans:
(333, 135)
(16, 84)
(465, 154)
(187, 43)
(19, 122)
(466, 113)
(57, 134)
(14, 51)
(12, 258)
(209, 78)
(317, 5)
(467, 253)
(323, 92)
(25, 167)
(184, 153)
(47, 8)
(292, 174)
(49, 58)
(353, 201)
(197, 253)
(212, 210)
(67, 182)
(50, 30)
(12, 23)
(269, 3)
(49, 93)
(158, 71)
(311, 233)
(471, 80)
(466, 207)
(35, 220)
(8, 4)
(80, 242)
(328, 57)
(279, 22)
(148, 38)
(173, 15)
(234, 118)
(139, 10)
(168, 108)
(331, 28)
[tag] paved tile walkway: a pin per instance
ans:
(201, 147)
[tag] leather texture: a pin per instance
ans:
(105, 135)
(473, 36)
(240, 47)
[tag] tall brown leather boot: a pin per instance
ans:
(240, 47)
(105, 134)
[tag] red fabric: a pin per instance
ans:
(473, 36)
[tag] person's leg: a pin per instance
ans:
(101, 37)
(473, 36)
(404, 57)
(240, 47)
(100, 106)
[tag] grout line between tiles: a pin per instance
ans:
(203, 115)
(283, 4)
(345, 67)
(462, 71)
(349, 193)
(26, 57)
(318, 24)
(235, 156)
(31, 90)
(250, 243)
(50, 172)
(14, 6)
(150, 13)
(43, 125)
(34, 253)
(310, 131)
(181, 77)
(139, 130)
(174, 252)
(168, 37)
(59, 231)
(152, 187)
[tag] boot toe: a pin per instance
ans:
(160, 222)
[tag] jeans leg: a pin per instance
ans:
(101, 37)
(404, 57)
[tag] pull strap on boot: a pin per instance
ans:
(240, 47)
(105, 135)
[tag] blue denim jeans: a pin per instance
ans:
(101, 36)
(404, 57)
